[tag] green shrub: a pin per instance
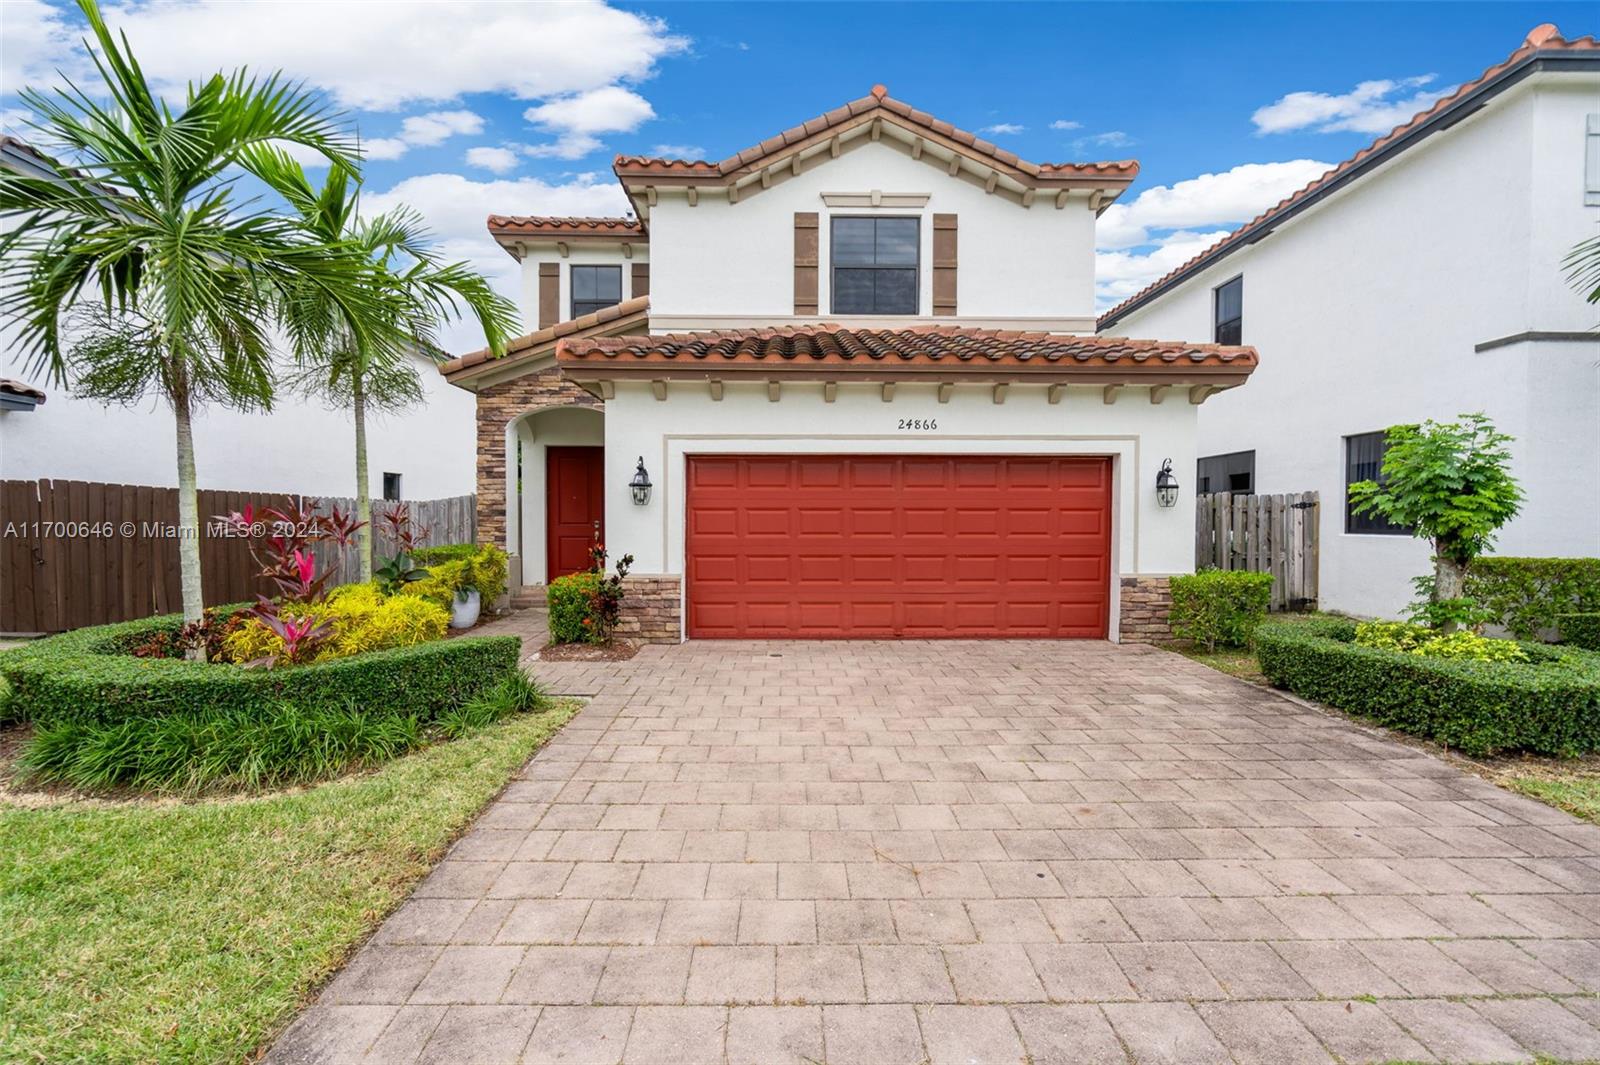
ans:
(1431, 643)
(1219, 606)
(484, 568)
(1526, 595)
(88, 676)
(517, 693)
(1580, 630)
(570, 600)
(427, 556)
(1549, 704)
(228, 748)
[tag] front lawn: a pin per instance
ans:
(190, 931)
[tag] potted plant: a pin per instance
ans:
(465, 607)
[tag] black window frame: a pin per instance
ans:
(834, 266)
(590, 306)
(391, 487)
(1370, 469)
(1228, 465)
(1227, 330)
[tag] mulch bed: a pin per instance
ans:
(615, 651)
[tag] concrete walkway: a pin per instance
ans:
(977, 852)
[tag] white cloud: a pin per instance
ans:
(1114, 138)
(499, 160)
(1065, 124)
(679, 151)
(308, 158)
(577, 119)
(15, 120)
(368, 56)
(1002, 128)
(455, 207)
(421, 131)
(1233, 196)
(1119, 274)
(1371, 107)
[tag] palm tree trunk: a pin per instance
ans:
(188, 518)
(363, 496)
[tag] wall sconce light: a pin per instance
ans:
(1166, 485)
(640, 485)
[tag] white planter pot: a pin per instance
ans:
(464, 609)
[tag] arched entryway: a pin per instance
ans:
(555, 483)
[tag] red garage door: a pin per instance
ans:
(914, 546)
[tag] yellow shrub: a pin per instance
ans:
(400, 621)
(362, 620)
(250, 641)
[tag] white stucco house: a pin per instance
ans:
(856, 364)
(301, 446)
(1422, 278)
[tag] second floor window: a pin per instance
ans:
(1229, 312)
(595, 288)
(875, 265)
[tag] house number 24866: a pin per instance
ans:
(912, 425)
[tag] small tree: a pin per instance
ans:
(1450, 483)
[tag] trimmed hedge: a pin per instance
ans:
(1219, 606)
(569, 600)
(1527, 595)
(426, 556)
(88, 676)
(1580, 630)
(1550, 704)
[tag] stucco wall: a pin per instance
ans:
(1147, 539)
(1366, 312)
(301, 446)
(737, 259)
(579, 254)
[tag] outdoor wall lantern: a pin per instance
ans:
(641, 484)
(1166, 485)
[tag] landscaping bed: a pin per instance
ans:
(1548, 704)
(191, 931)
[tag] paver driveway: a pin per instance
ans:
(972, 852)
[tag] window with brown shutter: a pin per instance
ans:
(806, 245)
(641, 280)
(549, 294)
(944, 264)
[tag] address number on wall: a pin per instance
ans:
(917, 425)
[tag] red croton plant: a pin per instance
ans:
(280, 542)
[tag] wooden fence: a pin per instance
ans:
(75, 553)
(1274, 534)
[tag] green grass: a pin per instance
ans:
(1578, 794)
(190, 931)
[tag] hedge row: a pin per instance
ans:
(1527, 595)
(1550, 704)
(88, 676)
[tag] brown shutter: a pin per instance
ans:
(805, 262)
(549, 294)
(641, 280)
(944, 264)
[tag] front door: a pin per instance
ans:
(575, 510)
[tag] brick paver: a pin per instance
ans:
(976, 851)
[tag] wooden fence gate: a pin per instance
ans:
(75, 553)
(1274, 534)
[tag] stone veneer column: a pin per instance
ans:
(498, 406)
(652, 609)
(1146, 610)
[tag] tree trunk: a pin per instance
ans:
(1449, 582)
(364, 535)
(188, 520)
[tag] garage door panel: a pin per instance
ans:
(913, 546)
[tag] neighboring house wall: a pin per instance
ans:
(721, 264)
(301, 446)
(1367, 309)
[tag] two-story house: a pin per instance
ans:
(1422, 278)
(855, 365)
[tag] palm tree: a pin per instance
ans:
(133, 267)
(374, 373)
(1583, 269)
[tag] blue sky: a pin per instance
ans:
(518, 108)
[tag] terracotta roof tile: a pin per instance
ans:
(605, 318)
(1544, 38)
(553, 225)
(643, 166)
(17, 388)
(923, 347)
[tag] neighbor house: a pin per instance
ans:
(1421, 278)
(855, 365)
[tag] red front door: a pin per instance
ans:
(575, 507)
